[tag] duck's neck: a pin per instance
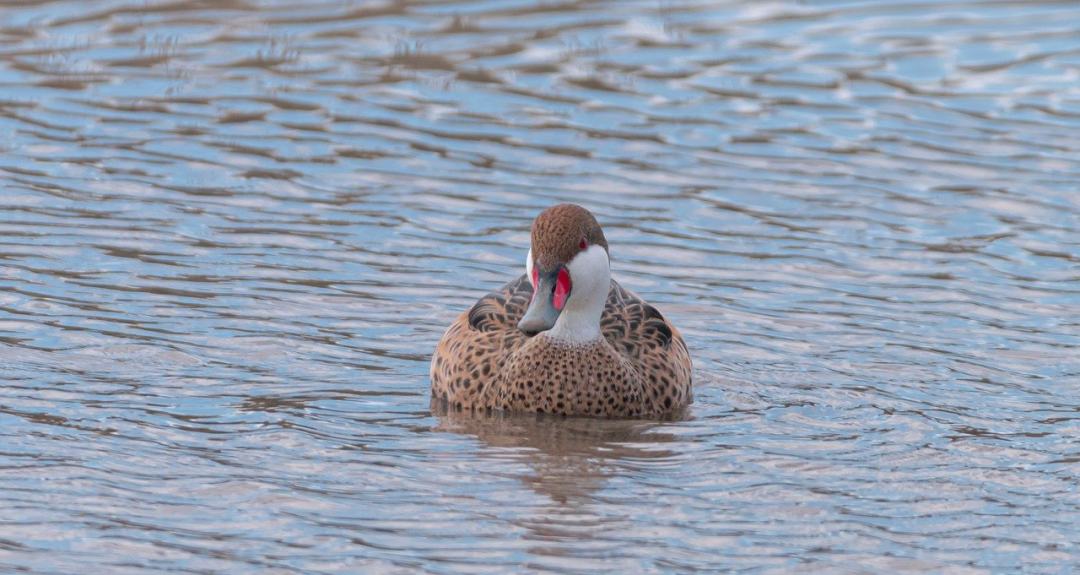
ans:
(579, 321)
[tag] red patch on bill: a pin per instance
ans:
(562, 289)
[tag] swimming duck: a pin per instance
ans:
(564, 338)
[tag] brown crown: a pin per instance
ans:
(557, 233)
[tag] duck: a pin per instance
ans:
(564, 338)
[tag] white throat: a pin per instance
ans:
(590, 274)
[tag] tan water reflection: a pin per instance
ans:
(570, 457)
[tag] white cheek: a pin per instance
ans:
(529, 267)
(590, 273)
(591, 277)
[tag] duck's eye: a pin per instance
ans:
(583, 244)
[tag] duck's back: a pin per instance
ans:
(468, 366)
(653, 346)
(471, 354)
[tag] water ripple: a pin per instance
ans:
(233, 232)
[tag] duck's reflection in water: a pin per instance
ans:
(573, 464)
(571, 458)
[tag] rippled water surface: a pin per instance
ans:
(231, 232)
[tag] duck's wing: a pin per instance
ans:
(502, 309)
(470, 355)
(650, 342)
(629, 322)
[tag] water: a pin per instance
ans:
(232, 232)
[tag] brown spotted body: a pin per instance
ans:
(564, 338)
(641, 367)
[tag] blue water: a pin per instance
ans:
(231, 234)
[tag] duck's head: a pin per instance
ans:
(568, 267)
